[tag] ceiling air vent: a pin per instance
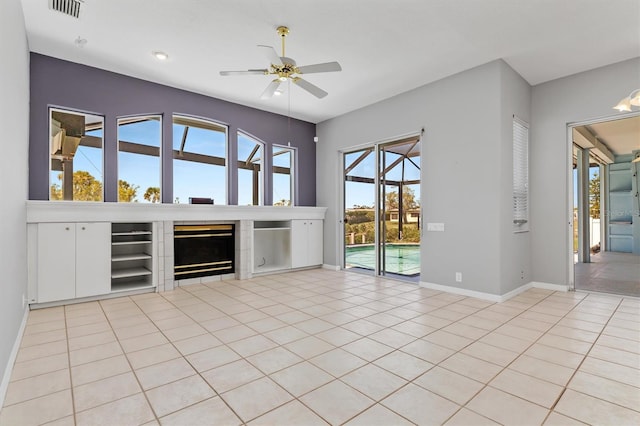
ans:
(68, 7)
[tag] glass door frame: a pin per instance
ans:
(379, 207)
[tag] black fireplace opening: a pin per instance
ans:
(203, 250)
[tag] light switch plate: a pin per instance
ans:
(435, 227)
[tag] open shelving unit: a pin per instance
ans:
(271, 246)
(620, 207)
(131, 256)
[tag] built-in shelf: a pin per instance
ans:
(127, 257)
(129, 243)
(131, 256)
(131, 233)
(621, 208)
(272, 229)
(130, 272)
(129, 286)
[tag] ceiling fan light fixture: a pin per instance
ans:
(285, 69)
(625, 104)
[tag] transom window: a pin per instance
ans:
(199, 160)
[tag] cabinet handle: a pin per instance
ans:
(83, 228)
(66, 228)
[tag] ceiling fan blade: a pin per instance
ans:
(325, 67)
(311, 88)
(247, 72)
(271, 89)
(272, 55)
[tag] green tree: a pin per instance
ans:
(594, 196)
(85, 187)
(152, 194)
(126, 191)
(408, 201)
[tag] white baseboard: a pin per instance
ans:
(330, 267)
(493, 297)
(462, 291)
(4, 385)
(549, 286)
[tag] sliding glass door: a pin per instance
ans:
(382, 209)
(360, 210)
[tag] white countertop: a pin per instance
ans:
(80, 211)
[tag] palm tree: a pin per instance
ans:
(152, 194)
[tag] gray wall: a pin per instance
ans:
(466, 173)
(14, 120)
(585, 96)
(515, 248)
(55, 82)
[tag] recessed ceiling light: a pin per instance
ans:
(161, 56)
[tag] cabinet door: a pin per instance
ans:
(314, 240)
(93, 259)
(56, 261)
(299, 248)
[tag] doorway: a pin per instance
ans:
(606, 205)
(382, 213)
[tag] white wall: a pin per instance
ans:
(14, 121)
(464, 168)
(584, 96)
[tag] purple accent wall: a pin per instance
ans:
(69, 85)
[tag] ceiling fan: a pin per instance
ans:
(285, 68)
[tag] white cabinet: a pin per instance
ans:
(306, 243)
(73, 260)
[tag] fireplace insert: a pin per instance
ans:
(203, 250)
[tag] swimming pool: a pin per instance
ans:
(403, 259)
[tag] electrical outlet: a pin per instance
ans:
(458, 277)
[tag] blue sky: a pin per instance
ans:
(190, 179)
(363, 194)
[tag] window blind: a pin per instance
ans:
(520, 175)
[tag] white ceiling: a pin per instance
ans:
(620, 136)
(385, 47)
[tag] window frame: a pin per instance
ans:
(292, 172)
(62, 109)
(207, 124)
(147, 147)
(261, 174)
(520, 182)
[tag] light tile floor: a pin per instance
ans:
(318, 347)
